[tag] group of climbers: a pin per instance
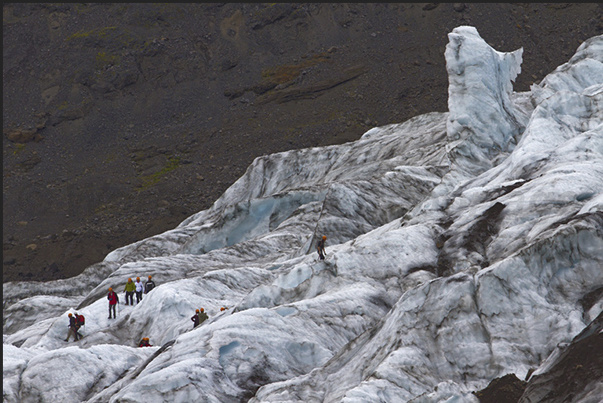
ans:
(75, 322)
(129, 289)
(199, 317)
(137, 287)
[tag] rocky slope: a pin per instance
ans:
(109, 108)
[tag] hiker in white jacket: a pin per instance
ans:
(139, 289)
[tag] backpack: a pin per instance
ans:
(81, 321)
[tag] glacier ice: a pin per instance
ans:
(462, 246)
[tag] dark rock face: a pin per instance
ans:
(120, 120)
(506, 389)
(573, 374)
(576, 372)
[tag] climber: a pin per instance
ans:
(139, 289)
(129, 289)
(144, 342)
(320, 247)
(149, 285)
(72, 328)
(195, 319)
(80, 321)
(113, 300)
(202, 316)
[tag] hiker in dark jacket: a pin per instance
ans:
(320, 247)
(72, 328)
(149, 285)
(195, 319)
(113, 300)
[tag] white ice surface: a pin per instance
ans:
(460, 247)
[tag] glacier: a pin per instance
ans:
(461, 247)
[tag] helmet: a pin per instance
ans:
(137, 278)
(197, 311)
(222, 308)
(129, 280)
(145, 338)
(110, 289)
(324, 237)
(201, 309)
(150, 277)
(70, 315)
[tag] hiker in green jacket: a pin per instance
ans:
(202, 316)
(129, 289)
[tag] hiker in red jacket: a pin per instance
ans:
(144, 342)
(113, 300)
